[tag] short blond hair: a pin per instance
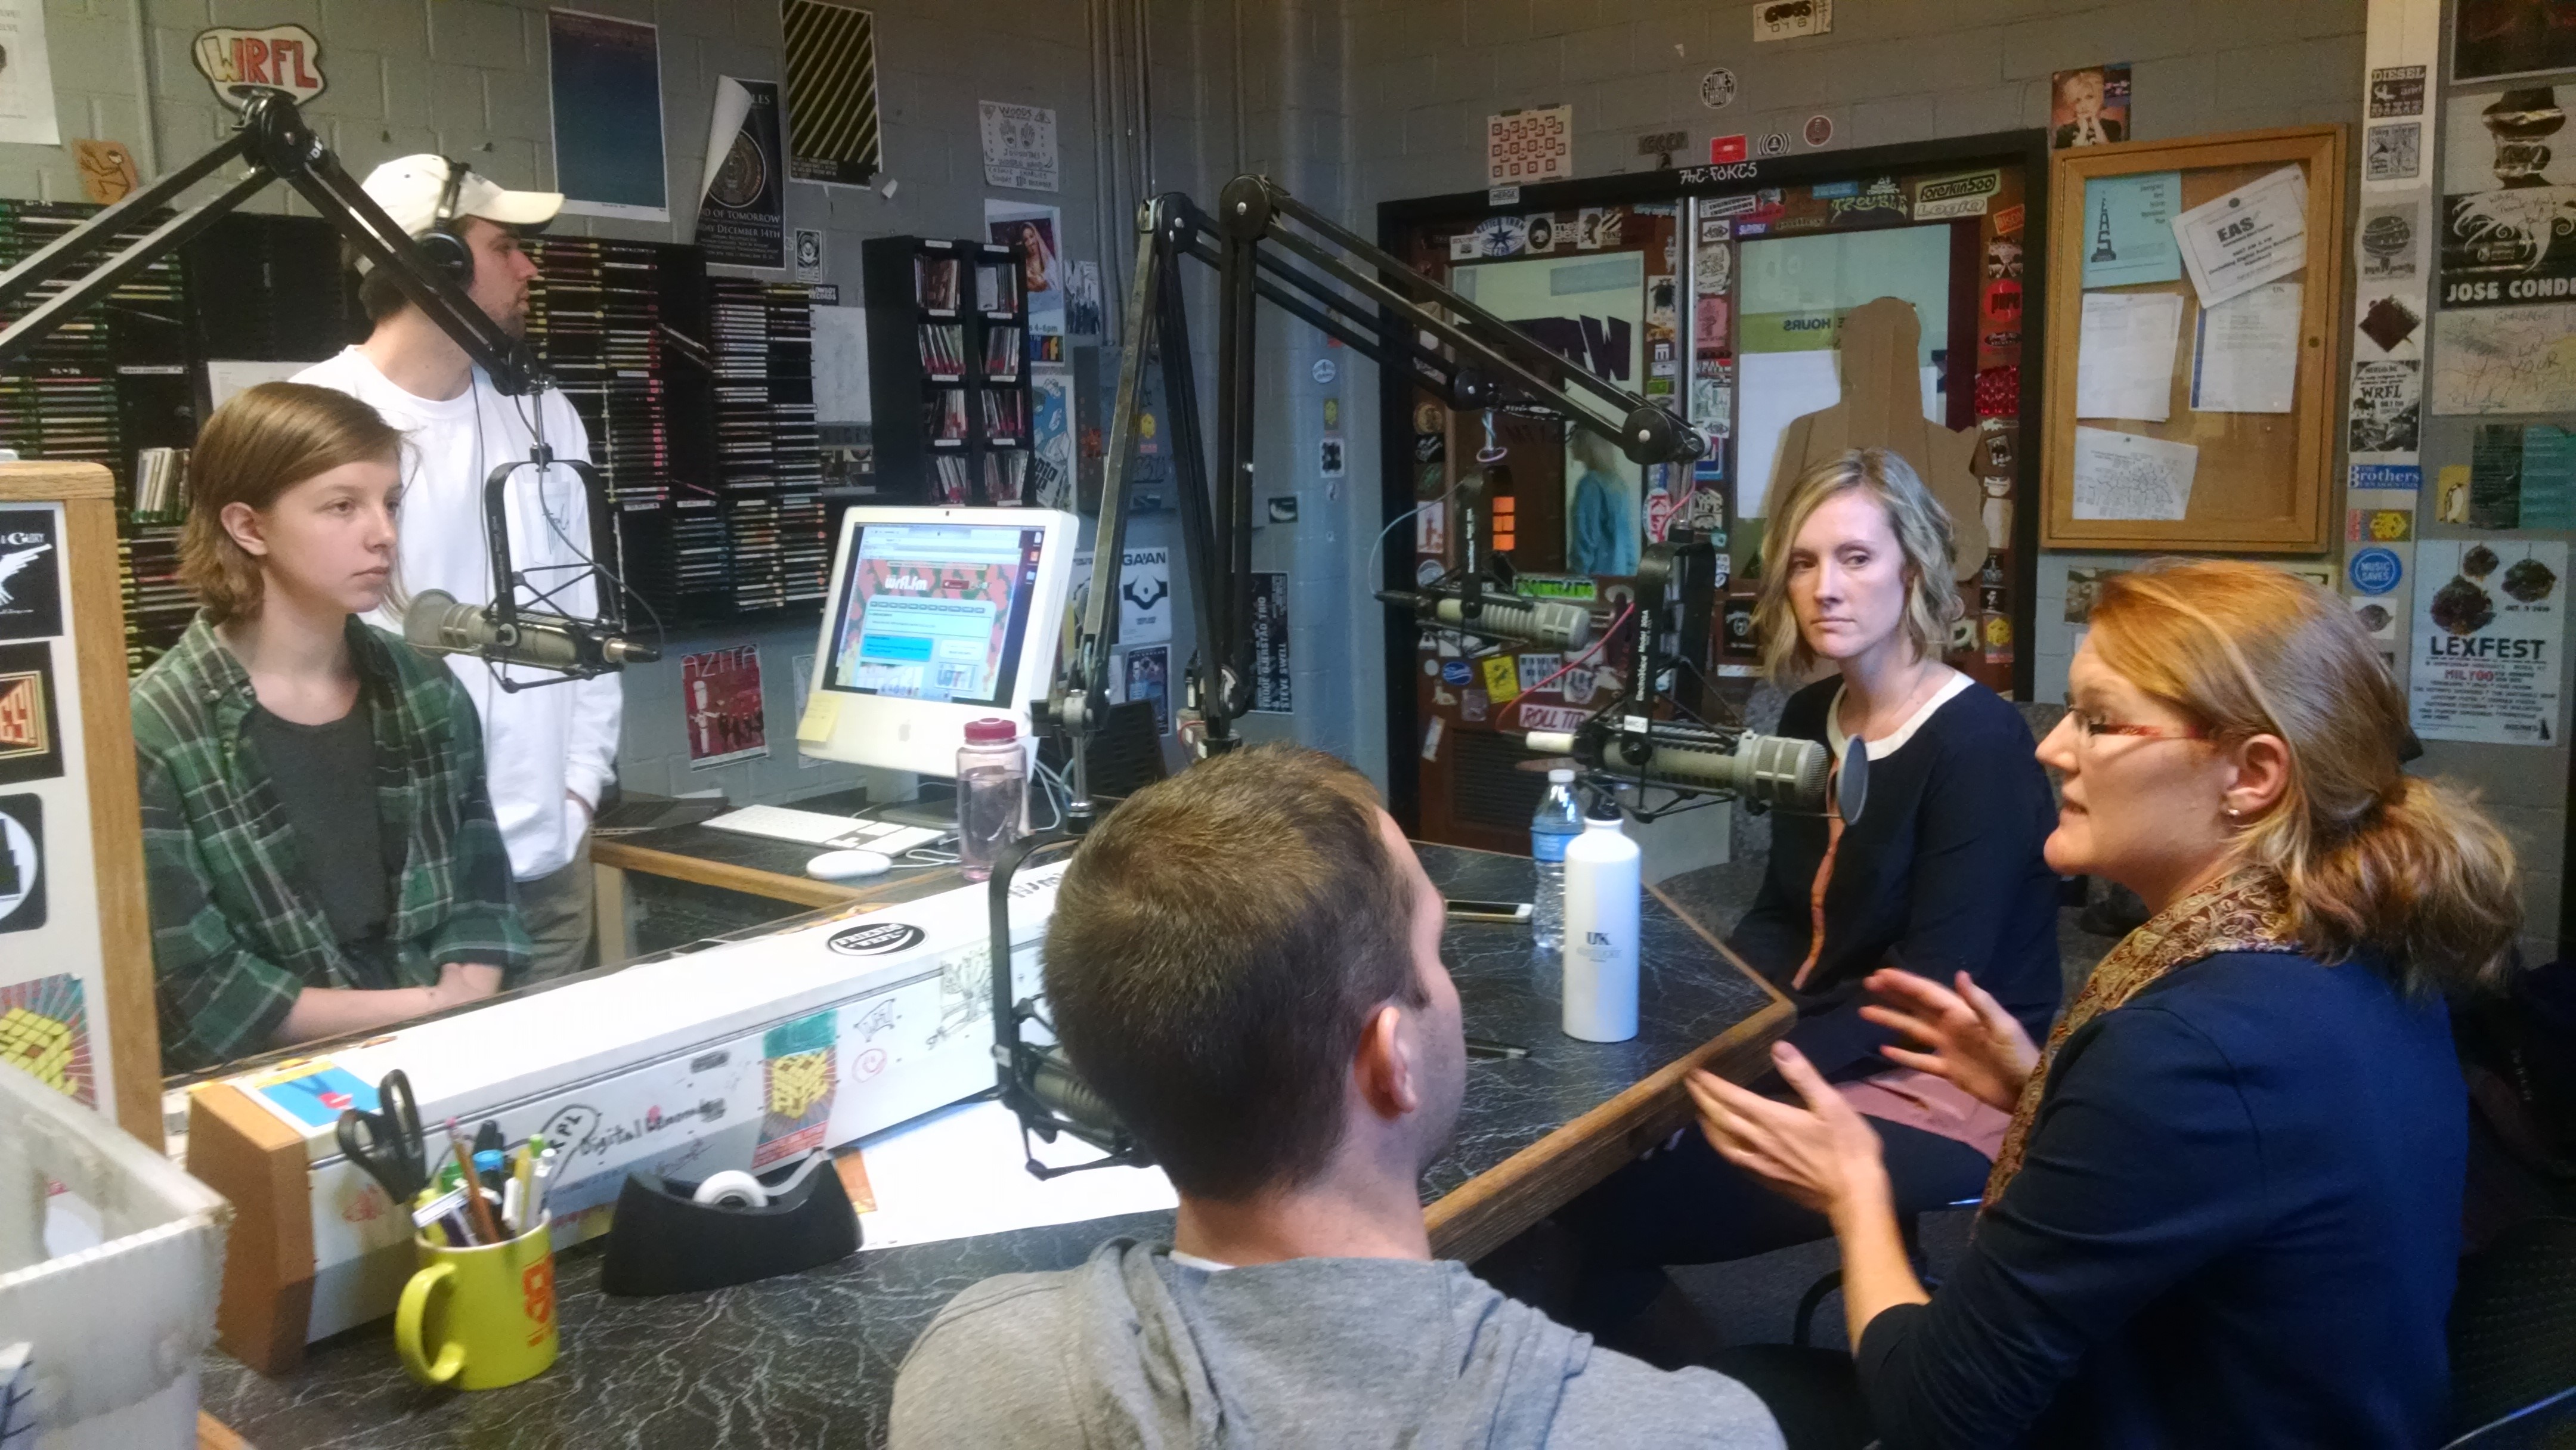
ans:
(2375, 861)
(1923, 536)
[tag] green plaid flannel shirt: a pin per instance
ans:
(236, 934)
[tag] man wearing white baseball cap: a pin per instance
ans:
(549, 752)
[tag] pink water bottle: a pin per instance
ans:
(992, 794)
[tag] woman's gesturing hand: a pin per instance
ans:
(1967, 1036)
(1824, 1155)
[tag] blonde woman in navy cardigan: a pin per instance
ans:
(2227, 1209)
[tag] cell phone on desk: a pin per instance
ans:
(1510, 913)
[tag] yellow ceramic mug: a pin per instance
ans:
(479, 1318)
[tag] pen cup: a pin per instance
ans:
(480, 1317)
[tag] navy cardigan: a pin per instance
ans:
(2236, 1224)
(1941, 873)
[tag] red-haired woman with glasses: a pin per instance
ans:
(2228, 1207)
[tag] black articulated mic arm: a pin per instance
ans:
(279, 146)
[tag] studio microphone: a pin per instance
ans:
(1557, 624)
(437, 622)
(1772, 771)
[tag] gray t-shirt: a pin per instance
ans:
(1133, 1350)
(325, 780)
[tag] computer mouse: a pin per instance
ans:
(846, 865)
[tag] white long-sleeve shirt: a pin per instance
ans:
(543, 746)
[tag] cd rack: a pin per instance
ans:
(948, 350)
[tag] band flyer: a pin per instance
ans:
(2486, 640)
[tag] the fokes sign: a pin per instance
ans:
(240, 64)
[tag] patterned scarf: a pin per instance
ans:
(2244, 911)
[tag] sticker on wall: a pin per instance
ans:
(2393, 152)
(1717, 88)
(106, 170)
(1019, 145)
(2406, 476)
(241, 64)
(2088, 107)
(1328, 455)
(22, 863)
(1541, 233)
(31, 742)
(1791, 19)
(2396, 90)
(1462, 247)
(1501, 236)
(2391, 240)
(1324, 370)
(1942, 197)
(1145, 596)
(1273, 681)
(831, 92)
(809, 254)
(1727, 150)
(44, 1032)
(1529, 145)
(2375, 570)
(31, 601)
(721, 706)
(2387, 406)
(1819, 130)
(1149, 677)
(2379, 526)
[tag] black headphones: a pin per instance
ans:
(442, 244)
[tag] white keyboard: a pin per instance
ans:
(817, 828)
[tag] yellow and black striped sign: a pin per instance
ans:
(831, 93)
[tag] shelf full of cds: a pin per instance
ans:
(948, 350)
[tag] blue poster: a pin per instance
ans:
(2128, 229)
(605, 80)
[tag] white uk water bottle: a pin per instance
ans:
(1603, 887)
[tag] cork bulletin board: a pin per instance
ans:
(2241, 459)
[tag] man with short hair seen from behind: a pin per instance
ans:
(1245, 961)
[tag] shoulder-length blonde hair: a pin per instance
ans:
(2374, 859)
(1923, 536)
(256, 447)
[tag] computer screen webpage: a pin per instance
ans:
(934, 612)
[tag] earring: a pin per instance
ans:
(2233, 813)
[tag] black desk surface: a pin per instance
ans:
(809, 1359)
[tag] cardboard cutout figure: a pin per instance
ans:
(1882, 407)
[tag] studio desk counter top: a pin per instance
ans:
(809, 1359)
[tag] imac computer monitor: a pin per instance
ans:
(935, 617)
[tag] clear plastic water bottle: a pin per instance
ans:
(992, 794)
(1558, 821)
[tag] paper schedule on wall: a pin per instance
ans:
(2245, 356)
(2124, 360)
(2127, 476)
(2255, 234)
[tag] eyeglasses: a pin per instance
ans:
(2089, 726)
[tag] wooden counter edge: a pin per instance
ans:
(51, 482)
(244, 1152)
(750, 880)
(1486, 1211)
(214, 1434)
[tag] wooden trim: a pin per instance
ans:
(802, 890)
(57, 483)
(250, 1156)
(609, 904)
(115, 809)
(214, 1434)
(2306, 525)
(1486, 1211)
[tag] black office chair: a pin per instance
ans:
(2513, 1341)
(1910, 1227)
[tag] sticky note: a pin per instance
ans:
(822, 713)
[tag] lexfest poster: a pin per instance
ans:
(2487, 638)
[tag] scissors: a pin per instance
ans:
(388, 1143)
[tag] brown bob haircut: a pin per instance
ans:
(1217, 947)
(256, 447)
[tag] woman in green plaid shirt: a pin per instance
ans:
(321, 854)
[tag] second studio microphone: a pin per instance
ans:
(1557, 624)
(438, 622)
(1764, 770)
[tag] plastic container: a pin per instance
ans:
(116, 1329)
(1559, 820)
(1603, 886)
(992, 794)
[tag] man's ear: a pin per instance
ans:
(1383, 1068)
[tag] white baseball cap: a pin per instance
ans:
(409, 188)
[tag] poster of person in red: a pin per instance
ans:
(720, 698)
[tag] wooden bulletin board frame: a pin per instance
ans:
(2264, 482)
(100, 878)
